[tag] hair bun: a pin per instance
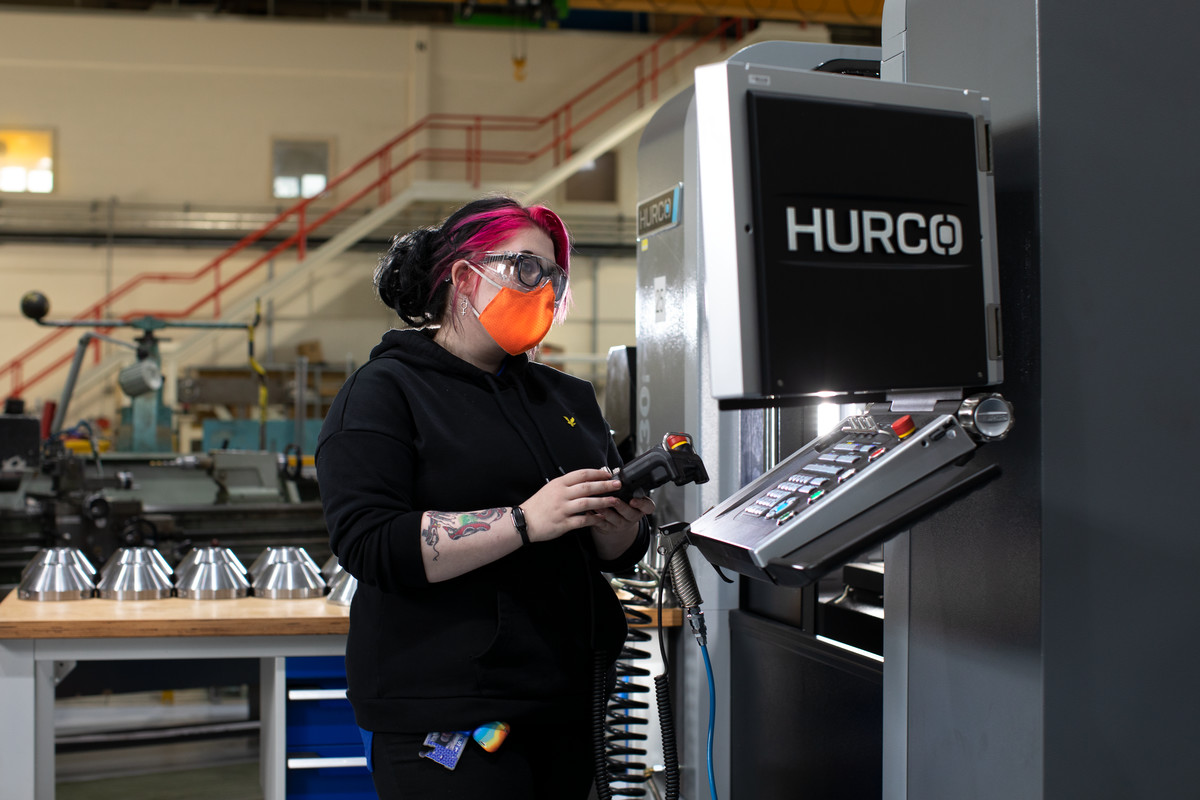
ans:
(402, 279)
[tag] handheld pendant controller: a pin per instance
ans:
(674, 460)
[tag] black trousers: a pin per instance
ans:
(536, 762)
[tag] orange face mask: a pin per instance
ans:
(518, 321)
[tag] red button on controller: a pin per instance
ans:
(904, 426)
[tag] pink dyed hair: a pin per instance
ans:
(497, 222)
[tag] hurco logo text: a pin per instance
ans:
(855, 231)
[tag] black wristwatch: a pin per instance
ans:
(518, 518)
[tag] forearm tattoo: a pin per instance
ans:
(458, 525)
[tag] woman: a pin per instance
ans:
(466, 488)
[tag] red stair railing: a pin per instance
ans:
(303, 219)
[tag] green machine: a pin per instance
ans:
(149, 420)
(144, 494)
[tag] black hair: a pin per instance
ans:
(403, 279)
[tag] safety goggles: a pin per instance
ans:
(524, 272)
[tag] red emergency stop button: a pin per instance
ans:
(676, 440)
(904, 426)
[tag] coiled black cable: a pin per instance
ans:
(666, 720)
(617, 742)
(624, 744)
(599, 706)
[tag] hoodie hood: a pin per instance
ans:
(416, 347)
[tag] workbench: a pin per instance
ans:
(39, 638)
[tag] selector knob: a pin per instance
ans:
(35, 305)
(97, 510)
(986, 417)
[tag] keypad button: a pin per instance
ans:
(823, 469)
(782, 507)
(756, 511)
(848, 459)
(876, 453)
(829, 458)
(847, 475)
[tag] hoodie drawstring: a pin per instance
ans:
(545, 443)
(547, 473)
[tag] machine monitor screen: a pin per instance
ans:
(857, 216)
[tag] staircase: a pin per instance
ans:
(374, 191)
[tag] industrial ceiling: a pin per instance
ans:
(851, 14)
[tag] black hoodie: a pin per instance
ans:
(417, 429)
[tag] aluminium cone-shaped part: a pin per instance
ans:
(274, 555)
(57, 574)
(213, 574)
(331, 569)
(134, 580)
(341, 589)
(289, 580)
(57, 554)
(213, 553)
(136, 555)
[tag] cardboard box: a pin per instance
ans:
(311, 350)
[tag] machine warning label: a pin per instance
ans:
(660, 299)
(659, 213)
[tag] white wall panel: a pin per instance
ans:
(181, 111)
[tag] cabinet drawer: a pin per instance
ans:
(320, 716)
(328, 772)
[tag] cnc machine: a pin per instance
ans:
(811, 238)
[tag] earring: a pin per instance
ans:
(462, 309)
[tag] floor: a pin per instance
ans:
(109, 747)
(100, 759)
(227, 782)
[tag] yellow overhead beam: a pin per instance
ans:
(825, 12)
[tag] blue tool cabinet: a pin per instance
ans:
(325, 759)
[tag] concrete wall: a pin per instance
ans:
(184, 110)
(177, 112)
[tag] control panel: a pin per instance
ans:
(850, 489)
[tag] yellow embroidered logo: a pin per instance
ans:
(570, 421)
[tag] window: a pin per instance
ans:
(596, 181)
(299, 168)
(26, 160)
